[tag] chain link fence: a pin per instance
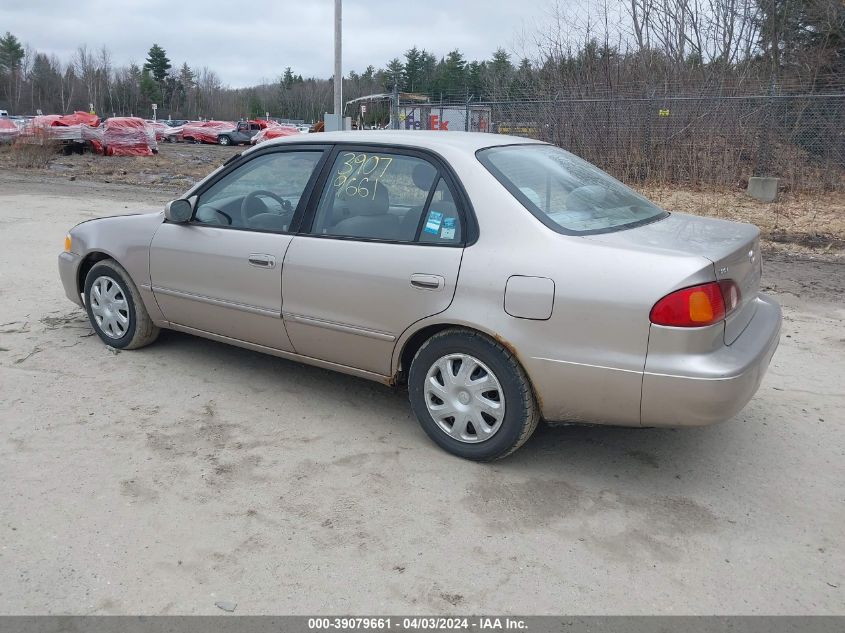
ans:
(719, 140)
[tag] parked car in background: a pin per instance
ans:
(503, 280)
(274, 131)
(160, 128)
(8, 130)
(221, 132)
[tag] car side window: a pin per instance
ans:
(375, 195)
(262, 194)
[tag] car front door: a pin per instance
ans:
(382, 250)
(222, 271)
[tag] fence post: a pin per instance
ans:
(762, 185)
(763, 164)
(394, 107)
(466, 116)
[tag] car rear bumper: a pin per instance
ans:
(695, 389)
(68, 272)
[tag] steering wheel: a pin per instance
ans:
(253, 195)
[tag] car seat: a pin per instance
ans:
(369, 217)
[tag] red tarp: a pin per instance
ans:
(79, 126)
(46, 120)
(207, 131)
(128, 136)
(84, 118)
(66, 120)
(274, 131)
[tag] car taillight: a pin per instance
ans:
(696, 306)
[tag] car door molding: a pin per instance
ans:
(244, 307)
(340, 327)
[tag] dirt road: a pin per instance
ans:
(166, 479)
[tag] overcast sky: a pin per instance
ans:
(247, 42)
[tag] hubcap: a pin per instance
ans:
(464, 398)
(109, 307)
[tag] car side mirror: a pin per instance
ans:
(178, 211)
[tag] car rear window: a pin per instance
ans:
(566, 193)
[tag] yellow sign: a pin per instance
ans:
(663, 112)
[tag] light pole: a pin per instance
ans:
(338, 71)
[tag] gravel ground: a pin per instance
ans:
(170, 478)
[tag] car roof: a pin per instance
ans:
(424, 139)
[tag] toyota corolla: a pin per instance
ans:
(504, 281)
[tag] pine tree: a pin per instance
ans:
(186, 76)
(808, 34)
(288, 78)
(157, 63)
(413, 69)
(11, 54)
(256, 110)
(454, 74)
(150, 90)
(394, 73)
(428, 63)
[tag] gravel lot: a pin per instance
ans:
(170, 478)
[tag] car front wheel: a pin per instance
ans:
(115, 308)
(471, 395)
(224, 140)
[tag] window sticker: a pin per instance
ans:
(432, 223)
(448, 230)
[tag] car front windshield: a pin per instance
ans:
(565, 192)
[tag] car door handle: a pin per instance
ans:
(428, 282)
(260, 260)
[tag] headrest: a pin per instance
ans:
(423, 175)
(585, 198)
(377, 203)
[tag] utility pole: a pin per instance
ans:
(338, 69)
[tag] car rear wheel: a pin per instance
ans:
(471, 396)
(224, 140)
(115, 308)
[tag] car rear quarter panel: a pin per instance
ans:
(586, 361)
(126, 239)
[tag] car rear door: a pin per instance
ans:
(222, 271)
(381, 250)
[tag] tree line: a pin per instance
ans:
(635, 47)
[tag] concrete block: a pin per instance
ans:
(763, 188)
(333, 122)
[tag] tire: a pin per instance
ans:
(485, 359)
(224, 140)
(139, 329)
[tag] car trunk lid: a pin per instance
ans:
(732, 247)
